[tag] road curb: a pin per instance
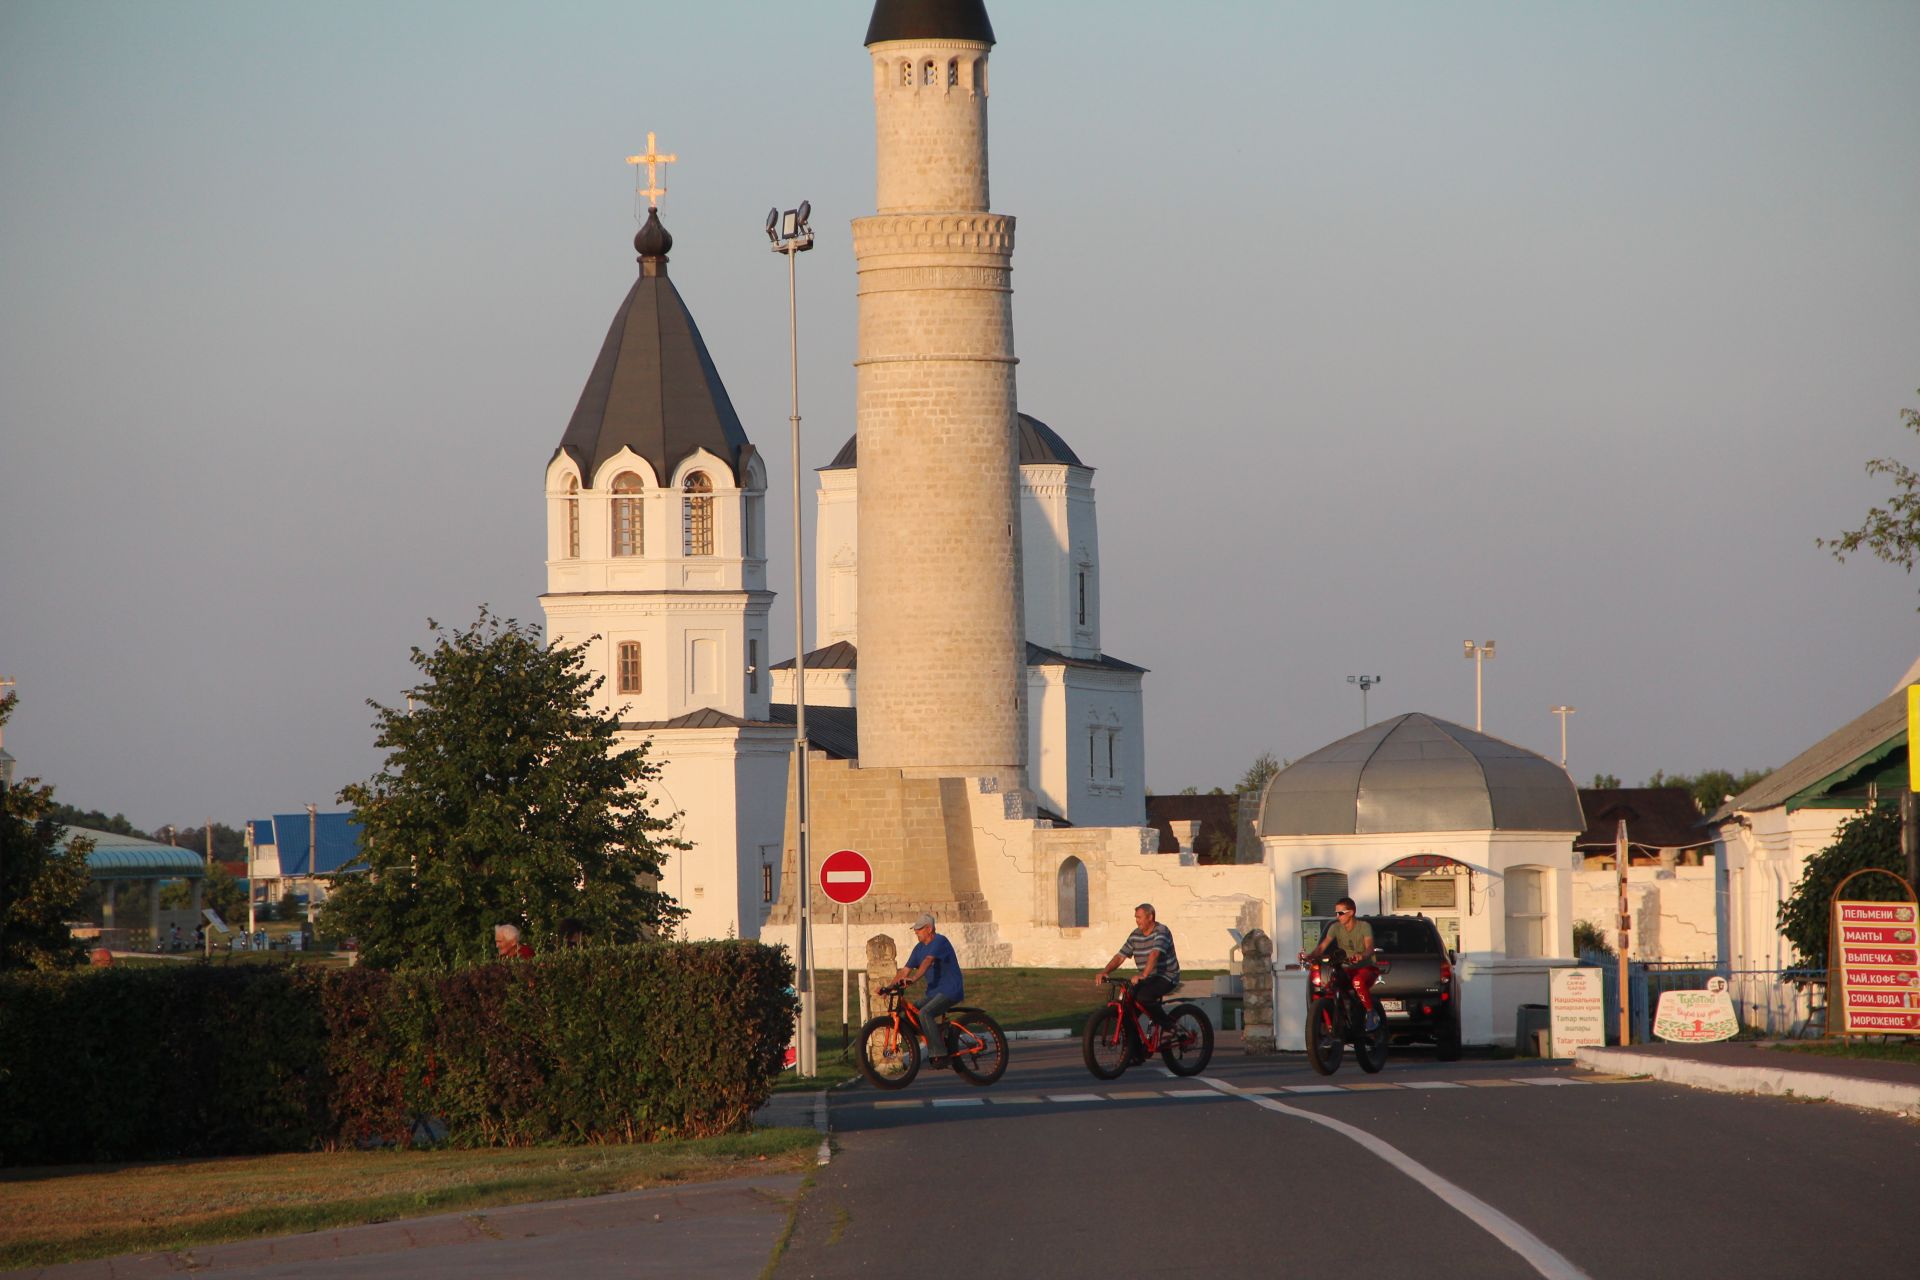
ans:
(1852, 1091)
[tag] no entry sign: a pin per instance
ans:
(846, 876)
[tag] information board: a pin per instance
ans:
(1578, 1014)
(1877, 967)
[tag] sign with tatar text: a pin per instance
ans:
(1876, 960)
(1696, 1017)
(1578, 1013)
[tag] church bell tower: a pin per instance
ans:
(942, 657)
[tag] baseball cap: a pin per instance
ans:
(924, 922)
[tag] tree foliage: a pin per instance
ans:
(504, 798)
(1870, 840)
(42, 886)
(1891, 533)
(1259, 773)
(1710, 787)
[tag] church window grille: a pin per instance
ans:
(1072, 889)
(629, 666)
(766, 883)
(697, 522)
(953, 73)
(929, 74)
(628, 537)
(906, 75)
(573, 518)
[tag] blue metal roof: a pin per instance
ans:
(118, 857)
(334, 839)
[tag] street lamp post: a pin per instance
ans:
(791, 236)
(1477, 654)
(1563, 712)
(1365, 683)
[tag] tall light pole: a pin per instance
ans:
(1365, 683)
(1477, 654)
(790, 235)
(1563, 712)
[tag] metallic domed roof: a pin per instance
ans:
(1418, 773)
(929, 20)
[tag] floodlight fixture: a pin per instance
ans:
(773, 225)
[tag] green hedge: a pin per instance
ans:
(604, 1044)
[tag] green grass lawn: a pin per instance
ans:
(70, 1213)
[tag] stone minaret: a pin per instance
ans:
(942, 661)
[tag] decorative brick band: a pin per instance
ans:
(919, 232)
(938, 358)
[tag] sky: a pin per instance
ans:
(1385, 326)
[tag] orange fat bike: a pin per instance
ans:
(1120, 1035)
(888, 1046)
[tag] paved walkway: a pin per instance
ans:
(1758, 1067)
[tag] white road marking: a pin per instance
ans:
(1304, 1088)
(1547, 1080)
(959, 1102)
(1543, 1258)
(1075, 1097)
(1433, 1084)
(1192, 1093)
(1011, 1101)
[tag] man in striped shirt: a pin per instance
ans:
(1149, 946)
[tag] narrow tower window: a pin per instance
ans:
(628, 539)
(753, 666)
(929, 73)
(980, 76)
(630, 666)
(906, 75)
(1083, 597)
(953, 73)
(573, 517)
(697, 521)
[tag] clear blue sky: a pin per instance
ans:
(1386, 325)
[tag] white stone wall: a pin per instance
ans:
(836, 559)
(728, 787)
(1673, 910)
(1076, 716)
(1060, 559)
(1763, 855)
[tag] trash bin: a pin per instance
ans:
(1529, 1020)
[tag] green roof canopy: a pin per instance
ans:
(118, 857)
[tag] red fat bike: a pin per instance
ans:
(1120, 1035)
(1336, 1018)
(888, 1047)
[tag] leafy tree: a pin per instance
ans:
(219, 890)
(1711, 787)
(504, 799)
(1591, 939)
(1870, 840)
(229, 843)
(1605, 782)
(92, 819)
(42, 886)
(1892, 532)
(1259, 773)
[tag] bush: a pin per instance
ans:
(602, 1044)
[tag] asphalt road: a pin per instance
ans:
(1477, 1168)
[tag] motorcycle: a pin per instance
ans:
(1337, 1018)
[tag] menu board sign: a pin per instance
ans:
(1876, 950)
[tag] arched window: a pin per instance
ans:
(929, 74)
(1319, 890)
(979, 75)
(628, 537)
(953, 73)
(1526, 912)
(696, 525)
(573, 517)
(1073, 894)
(629, 673)
(906, 75)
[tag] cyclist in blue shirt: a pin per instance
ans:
(933, 956)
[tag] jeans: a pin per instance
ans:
(936, 1030)
(1148, 992)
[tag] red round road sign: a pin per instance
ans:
(846, 876)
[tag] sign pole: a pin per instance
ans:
(846, 927)
(1626, 926)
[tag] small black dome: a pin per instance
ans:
(653, 240)
(929, 20)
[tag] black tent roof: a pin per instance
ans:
(929, 20)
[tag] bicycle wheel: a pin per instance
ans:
(986, 1062)
(1187, 1047)
(888, 1057)
(1324, 1046)
(1106, 1044)
(1370, 1049)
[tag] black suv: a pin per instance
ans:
(1417, 992)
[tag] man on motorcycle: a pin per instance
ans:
(933, 955)
(1149, 946)
(1354, 937)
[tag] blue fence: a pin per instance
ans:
(1782, 1003)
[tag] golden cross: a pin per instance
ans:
(652, 191)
